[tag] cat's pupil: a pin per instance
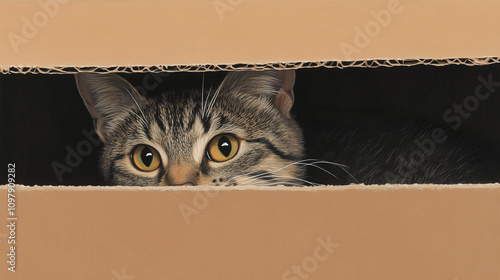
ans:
(147, 156)
(224, 146)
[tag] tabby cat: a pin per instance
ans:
(243, 133)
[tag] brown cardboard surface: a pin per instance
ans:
(374, 232)
(56, 33)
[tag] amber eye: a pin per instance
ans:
(222, 148)
(145, 158)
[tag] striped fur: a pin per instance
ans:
(253, 106)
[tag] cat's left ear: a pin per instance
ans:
(275, 86)
(109, 99)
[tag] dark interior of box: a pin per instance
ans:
(42, 115)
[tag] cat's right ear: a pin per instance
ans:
(109, 99)
(264, 88)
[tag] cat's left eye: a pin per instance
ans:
(145, 158)
(222, 148)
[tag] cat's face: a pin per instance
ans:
(240, 134)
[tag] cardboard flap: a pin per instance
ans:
(146, 33)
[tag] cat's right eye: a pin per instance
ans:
(145, 158)
(222, 148)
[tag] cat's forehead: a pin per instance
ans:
(184, 119)
(179, 110)
(180, 116)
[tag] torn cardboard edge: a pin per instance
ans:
(360, 187)
(373, 63)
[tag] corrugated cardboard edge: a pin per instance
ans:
(374, 63)
(360, 187)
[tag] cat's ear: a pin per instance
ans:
(275, 86)
(109, 99)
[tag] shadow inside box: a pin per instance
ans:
(49, 134)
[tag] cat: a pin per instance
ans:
(243, 133)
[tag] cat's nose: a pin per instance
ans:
(181, 175)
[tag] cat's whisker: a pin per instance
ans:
(357, 182)
(327, 162)
(281, 183)
(290, 164)
(146, 123)
(242, 175)
(296, 179)
(341, 166)
(212, 102)
(313, 164)
(253, 178)
(303, 163)
(257, 177)
(318, 161)
(202, 99)
(140, 118)
(205, 105)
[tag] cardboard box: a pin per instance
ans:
(348, 232)
(232, 34)
(345, 232)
